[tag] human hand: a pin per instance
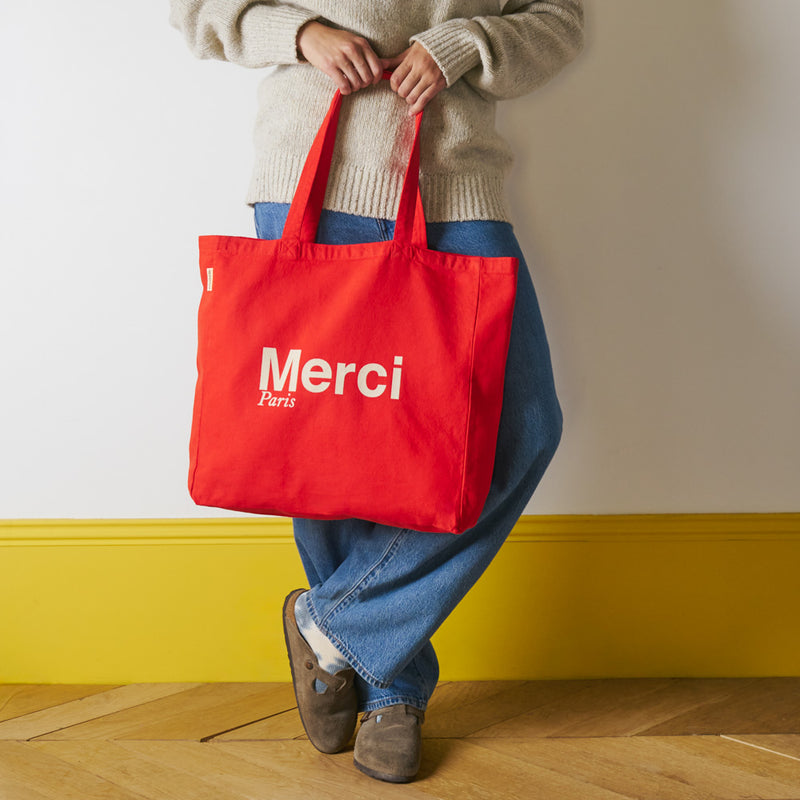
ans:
(343, 56)
(416, 77)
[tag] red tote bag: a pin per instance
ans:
(339, 381)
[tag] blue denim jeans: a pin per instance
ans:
(379, 593)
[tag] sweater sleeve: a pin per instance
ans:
(511, 53)
(251, 34)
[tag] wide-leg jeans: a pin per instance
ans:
(379, 593)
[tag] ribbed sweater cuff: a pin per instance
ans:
(452, 47)
(269, 31)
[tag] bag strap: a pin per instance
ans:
(304, 212)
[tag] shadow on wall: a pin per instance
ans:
(652, 197)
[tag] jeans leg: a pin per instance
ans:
(379, 593)
(328, 546)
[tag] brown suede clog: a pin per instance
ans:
(389, 743)
(329, 718)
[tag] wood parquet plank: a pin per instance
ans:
(11, 789)
(453, 695)
(763, 705)
(47, 720)
(450, 769)
(222, 769)
(461, 768)
(580, 758)
(738, 756)
(197, 713)
(134, 772)
(53, 778)
(615, 708)
(669, 768)
(284, 725)
(19, 699)
(582, 713)
(463, 709)
(274, 770)
(678, 698)
(787, 745)
(628, 708)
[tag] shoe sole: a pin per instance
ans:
(383, 776)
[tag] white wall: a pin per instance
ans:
(660, 184)
(656, 195)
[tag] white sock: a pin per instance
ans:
(329, 658)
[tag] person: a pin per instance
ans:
(359, 639)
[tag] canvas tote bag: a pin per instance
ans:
(339, 381)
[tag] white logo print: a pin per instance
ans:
(317, 375)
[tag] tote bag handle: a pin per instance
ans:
(303, 218)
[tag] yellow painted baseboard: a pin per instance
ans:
(119, 601)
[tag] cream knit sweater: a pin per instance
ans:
(486, 49)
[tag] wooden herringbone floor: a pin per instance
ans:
(541, 740)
